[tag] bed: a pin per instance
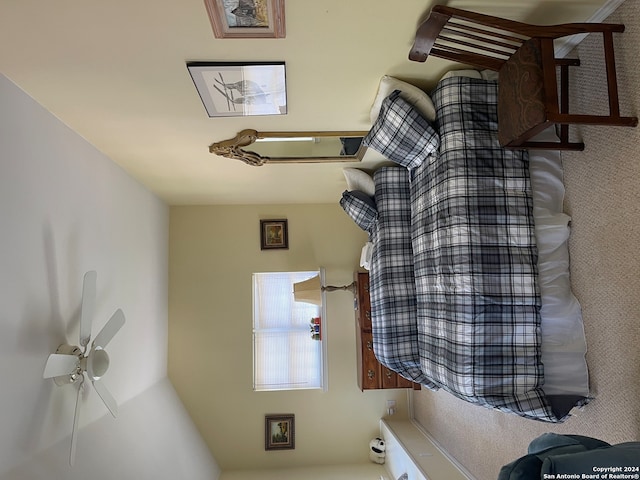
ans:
(469, 266)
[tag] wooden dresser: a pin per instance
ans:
(371, 374)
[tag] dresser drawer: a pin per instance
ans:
(369, 370)
(363, 301)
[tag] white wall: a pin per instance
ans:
(64, 209)
(153, 437)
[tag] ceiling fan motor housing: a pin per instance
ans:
(66, 349)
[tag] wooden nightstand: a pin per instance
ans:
(371, 374)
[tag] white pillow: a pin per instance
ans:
(486, 74)
(412, 94)
(462, 73)
(489, 74)
(365, 255)
(359, 180)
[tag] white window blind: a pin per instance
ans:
(285, 356)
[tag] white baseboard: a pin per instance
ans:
(565, 45)
(457, 464)
(436, 444)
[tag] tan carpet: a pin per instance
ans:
(603, 198)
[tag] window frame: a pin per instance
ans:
(323, 341)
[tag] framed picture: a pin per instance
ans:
(238, 89)
(279, 432)
(246, 18)
(273, 234)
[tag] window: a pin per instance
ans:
(286, 356)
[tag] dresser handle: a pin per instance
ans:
(369, 345)
(389, 374)
(371, 374)
(367, 314)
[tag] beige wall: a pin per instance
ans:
(139, 105)
(213, 252)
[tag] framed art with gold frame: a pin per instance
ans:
(247, 18)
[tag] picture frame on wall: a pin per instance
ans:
(239, 89)
(279, 432)
(274, 234)
(247, 18)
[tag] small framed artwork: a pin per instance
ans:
(279, 432)
(273, 234)
(238, 89)
(246, 18)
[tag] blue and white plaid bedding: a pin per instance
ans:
(395, 338)
(473, 328)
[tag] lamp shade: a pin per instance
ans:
(308, 291)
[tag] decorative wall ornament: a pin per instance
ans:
(232, 148)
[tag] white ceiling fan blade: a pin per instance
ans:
(74, 431)
(106, 397)
(114, 324)
(59, 364)
(88, 306)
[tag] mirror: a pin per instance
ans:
(292, 147)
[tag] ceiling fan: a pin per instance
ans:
(70, 363)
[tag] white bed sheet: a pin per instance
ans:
(564, 344)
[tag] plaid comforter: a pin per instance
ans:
(393, 296)
(473, 326)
